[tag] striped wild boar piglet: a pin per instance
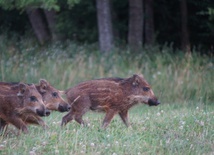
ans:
(109, 95)
(52, 97)
(19, 103)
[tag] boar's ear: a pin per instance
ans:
(22, 89)
(136, 80)
(43, 84)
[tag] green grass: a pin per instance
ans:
(167, 129)
(182, 124)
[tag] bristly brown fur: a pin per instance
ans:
(110, 95)
(20, 96)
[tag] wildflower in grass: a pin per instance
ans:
(108, 136)
(182, 122)
(82, 152)
(56, 151)
(92, 144)
(2, 147)
(84, 146)
(201, 123)
(181, 127)
(44, 143)
(114, 153)
(32, 153)
(158, 114)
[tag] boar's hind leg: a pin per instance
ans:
(124, 117)
(108, 117)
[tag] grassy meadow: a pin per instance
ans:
(184, 83)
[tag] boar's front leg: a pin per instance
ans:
(3, 125)
(108, 117)
(124, 117)
(67, 118)
(36, 120)
(17, 122)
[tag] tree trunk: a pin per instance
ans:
(149, 22)
(51, 20)
(185, 43)
(135, 33)
(104, 25)
(38, 25)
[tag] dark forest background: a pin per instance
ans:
(182, 24)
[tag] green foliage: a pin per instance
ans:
(77, 20)
(71, 3)
(22, 4)
(84, 26)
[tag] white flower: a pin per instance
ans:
(201, 123)
(92, 144)
(182, 122)
(32, 153)
(57, 151)
(158, 114)
(181, 127)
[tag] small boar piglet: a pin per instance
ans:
(15, 100)
(52, 97)
(110, 95)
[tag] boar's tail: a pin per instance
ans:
(76, 99)
(62, 92)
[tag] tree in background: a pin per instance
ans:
(41, 14)
(185, 43)
(38, 24)
(149, 22)
(79, 23)
(135, 31)
(104, 25)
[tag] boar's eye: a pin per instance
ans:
(146, 89)
(55, 94)
(33, 99)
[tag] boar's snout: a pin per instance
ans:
(63, 108)
(47, 112)
(153, 102)
(42, 112)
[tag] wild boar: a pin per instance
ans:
(109, 95)
(51, 98)
(13, 105)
